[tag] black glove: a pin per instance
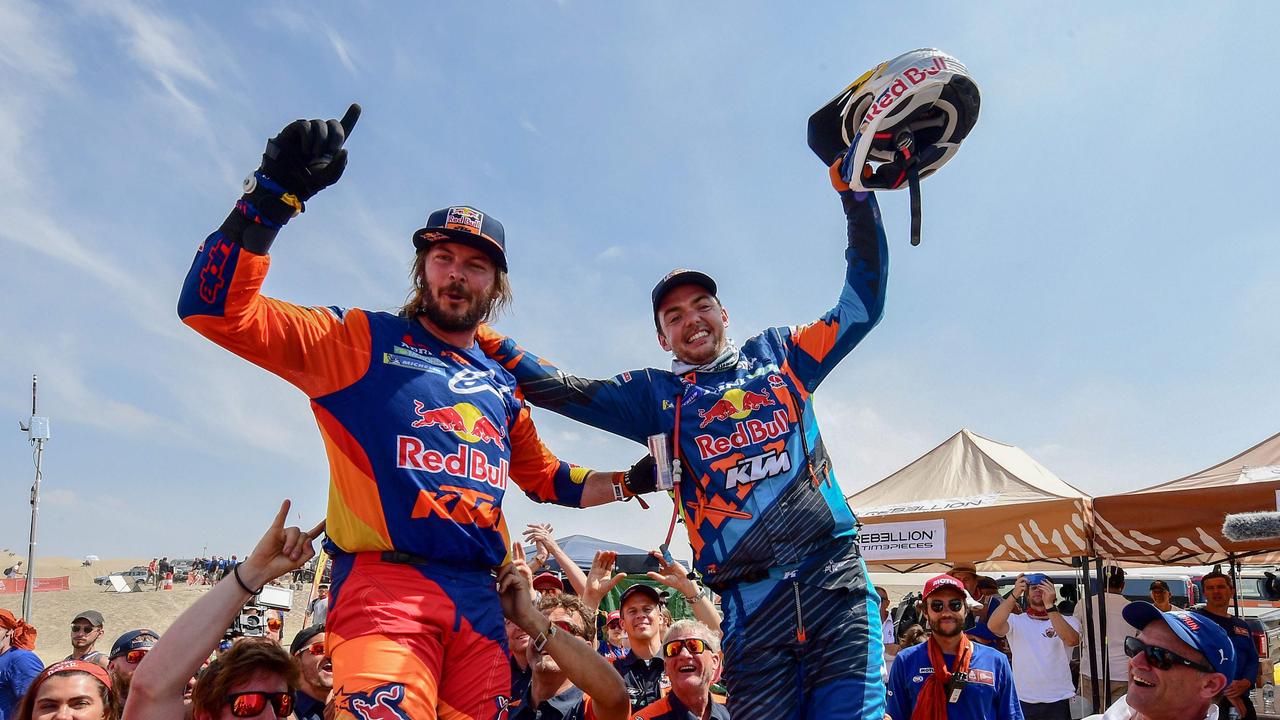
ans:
(307, 156)
(642, 477)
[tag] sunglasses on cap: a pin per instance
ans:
(1159, 657)
(248, 704)
(693, 645)
(954, 605)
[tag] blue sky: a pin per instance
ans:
(1098, 267)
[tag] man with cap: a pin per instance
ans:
(86, 630)
(315, 673)
(127, 652)
(644, 618)
(768, 523)
(422, 432)
(1041, 640)
(548, 584)
(950, 676)
(1179, 663)
(615, 644)
(1160, 595)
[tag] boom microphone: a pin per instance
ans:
(1244, 527)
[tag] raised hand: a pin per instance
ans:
(281, 550)
(515, 590)
(308, 155)
(673, 575)
(601, 578)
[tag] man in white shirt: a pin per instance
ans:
(1181, 662)
(1041, 641)
(1117, 630)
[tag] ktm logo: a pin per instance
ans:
(462, 505)
(463, 419)
(749, 470)
(381, 703)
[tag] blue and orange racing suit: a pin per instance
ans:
(422, 438)
(768, 524)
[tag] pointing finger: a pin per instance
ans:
(318, 530)
(278, 523)
(349, 120)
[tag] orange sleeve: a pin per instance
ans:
(537, 470)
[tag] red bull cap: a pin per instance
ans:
(675, 278)
(467, 225)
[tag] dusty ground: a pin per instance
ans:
(52, 612)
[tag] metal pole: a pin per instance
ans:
(1088, 627)
(35, 510)
(1104, 652)
(1235, 583)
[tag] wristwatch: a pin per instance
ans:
(543, 638)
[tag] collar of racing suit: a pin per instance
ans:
(724, 361)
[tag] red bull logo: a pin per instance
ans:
(464, 420)
(746, 433)
(906, 80)
(464, 218)
(466, 463)
(381, 703)
(734, 404)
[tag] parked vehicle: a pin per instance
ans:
(135, 574)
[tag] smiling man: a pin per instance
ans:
(950, 675)
(1180, 662)
(691, 652)
(315, 672)
(422, 432)
(644, 618)
(768, 524)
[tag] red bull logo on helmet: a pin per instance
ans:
(735, 404)
(464, 420)
(906, 80)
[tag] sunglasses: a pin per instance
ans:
(248, 704)
(954, 605)
(316, 648)
(133, 657)
(1159, 657)
(693, 645)
(273, 624)
(83, 629)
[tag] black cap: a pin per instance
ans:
(93, 616)
(680, 276)
(304, 637)
(467, 225)
(639, 589)
(1159, 585)
(134, 640)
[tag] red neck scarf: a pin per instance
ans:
(931, 704)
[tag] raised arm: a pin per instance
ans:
(998, 623)
(815, 349)
(675, 576)
(221, 297)
(543, 537)
(156, 690)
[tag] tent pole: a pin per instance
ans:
(1088, 626)
(1104, 651)
(1235, 582)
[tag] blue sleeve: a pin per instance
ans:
(623, 405)
(898, 700)
(1248, 669)
(815, 349)
(23, 672)
(1007, 705)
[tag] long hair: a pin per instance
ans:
(236, 665)
(111, 705)
(414, 303)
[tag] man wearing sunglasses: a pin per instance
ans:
(1041, 640)
(1180, 662)
(950, 676)
(691, 653)
(86, 630)
(126, 653)
(315, 673)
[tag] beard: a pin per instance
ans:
(954, 630)
(468, 318)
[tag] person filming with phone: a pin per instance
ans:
(1041, 640)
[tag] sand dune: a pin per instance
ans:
(52, 612)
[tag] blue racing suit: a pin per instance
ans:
(768, 524)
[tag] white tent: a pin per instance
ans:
(971, 499)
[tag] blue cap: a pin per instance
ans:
(467, 225)
(1195, 630)
(134, 640)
